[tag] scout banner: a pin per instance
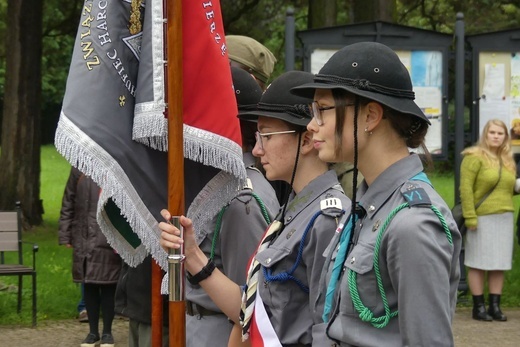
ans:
(116, 88)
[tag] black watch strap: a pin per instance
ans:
(203, 274)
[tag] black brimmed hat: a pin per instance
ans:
(247, 91)
(278, 102)
(371, 70)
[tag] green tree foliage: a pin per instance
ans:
(60, 22)
(265, 22)
(59, 31)
(480, 16)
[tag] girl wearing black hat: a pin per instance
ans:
(283, 275)
(392, 274)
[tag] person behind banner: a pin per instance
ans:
(95, 263)
(391, 275)
(133, 300)
(487, 175)
(250, 55)
(288, 262)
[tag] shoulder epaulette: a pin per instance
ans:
(331, 203)
(415, 195)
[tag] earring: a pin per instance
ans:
(369, 132)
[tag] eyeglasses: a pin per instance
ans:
(259, 135)
(317, 111)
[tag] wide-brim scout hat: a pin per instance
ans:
(278, 102)
(251, 53)
(247, 91)
(371, 70)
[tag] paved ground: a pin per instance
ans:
(469, 332)
(69, 333)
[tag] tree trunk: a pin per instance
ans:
(20, 155)
(373, 10)
(322, 13)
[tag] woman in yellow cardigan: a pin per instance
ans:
(488, 169)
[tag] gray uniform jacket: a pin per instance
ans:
(288, 306)
(241, 230)
(419, 267)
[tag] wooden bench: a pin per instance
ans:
(11, 241)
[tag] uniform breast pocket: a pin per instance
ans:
(361, 262)
(274, 262)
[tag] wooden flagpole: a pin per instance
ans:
(174, 78)
(174, 88)
(177, 305)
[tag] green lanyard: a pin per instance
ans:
(364, 312)
(219, 222)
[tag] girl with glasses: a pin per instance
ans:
(274, 306)
(391, 275)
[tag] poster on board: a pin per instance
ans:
(499, 91)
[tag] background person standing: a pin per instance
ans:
(95, 263)
(488, 169)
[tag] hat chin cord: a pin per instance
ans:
(286, 197)
(355, 169)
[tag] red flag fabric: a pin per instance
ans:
(208, 87)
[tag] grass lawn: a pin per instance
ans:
(58, 295)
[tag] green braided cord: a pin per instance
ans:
(217, 231)
(443, 223)
(364, 312)
(262, 208)
(219, 222)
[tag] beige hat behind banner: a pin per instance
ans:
(251, 53)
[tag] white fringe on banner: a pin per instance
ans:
(214, 150)
(151, 129)
(91, 159)
(150, 126)
(200, 146)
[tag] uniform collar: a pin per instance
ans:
(310, 193)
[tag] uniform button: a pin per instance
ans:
(289, 218)
(353, 260)
(268, 261)
(371, 208)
